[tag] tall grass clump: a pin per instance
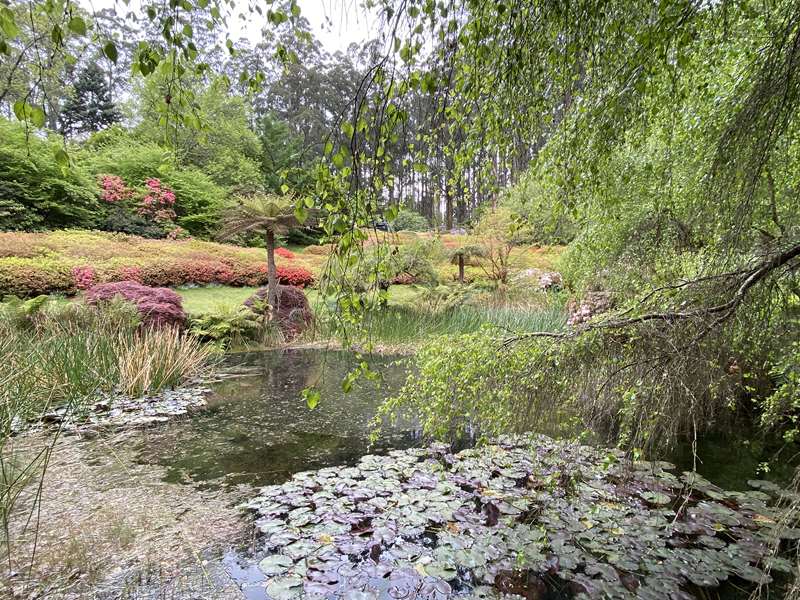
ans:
(407, 324)
(57, 353)
(156, 359)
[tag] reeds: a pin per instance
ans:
(405, 324)
(156, 359)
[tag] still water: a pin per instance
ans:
(258, 430)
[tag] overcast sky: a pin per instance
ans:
(336, 23)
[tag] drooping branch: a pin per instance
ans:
(744, 279)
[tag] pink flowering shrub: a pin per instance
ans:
(285, 253)
(114, 190)
(158, 306)
(157, 202)
(84, 277)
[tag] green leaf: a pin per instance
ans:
(312, 397)
(347, 129)
(8, 24)
(62, 158)
(37, 116)
(110, 50)
(77, 25)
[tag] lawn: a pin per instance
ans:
(205, 299)
(199, 300)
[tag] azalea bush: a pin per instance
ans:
(70, 261)
(296, 276)
(284, 252)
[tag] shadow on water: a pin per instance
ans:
(258, 430)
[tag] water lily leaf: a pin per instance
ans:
(285, 588)
(277, 564)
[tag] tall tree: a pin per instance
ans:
(90, 108)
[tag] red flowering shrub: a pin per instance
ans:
(285, 253)
(157, 306)
(157, 202)
(294, 311)
(114, 190)
(66, 261)
(84, 277)
(296, 276)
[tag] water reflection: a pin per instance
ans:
(258, 430)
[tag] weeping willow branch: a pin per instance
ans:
(742, 280)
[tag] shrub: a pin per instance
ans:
(409, 220)
(284, 252)
(84, 277)
(295, 276)
(34, 276)
(294, 312)
(41, 263)
(318, 250)
(157, 306)
(34, 192)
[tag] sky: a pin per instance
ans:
(335, 23)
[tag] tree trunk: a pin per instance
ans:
(461, 268)
(272, 276)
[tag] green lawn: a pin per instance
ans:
(200, 300)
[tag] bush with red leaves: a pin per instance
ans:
(296, 276)
(157, 306)
(294, 311)
(284, 252)
(84, 277)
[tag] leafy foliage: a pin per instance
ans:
(35, 192)
(158, 307)
(409, 220)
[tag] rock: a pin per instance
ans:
(594, 303)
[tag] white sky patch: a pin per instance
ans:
(335, 23)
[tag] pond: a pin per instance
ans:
(258, 430)
(151, 513)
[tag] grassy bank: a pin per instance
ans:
(64, 354)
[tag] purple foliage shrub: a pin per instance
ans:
(294, 311)
(158, 306)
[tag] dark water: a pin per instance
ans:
(258, 430)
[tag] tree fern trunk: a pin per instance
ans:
(272, 276)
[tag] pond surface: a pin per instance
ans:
(155, 509)
(258, 430)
